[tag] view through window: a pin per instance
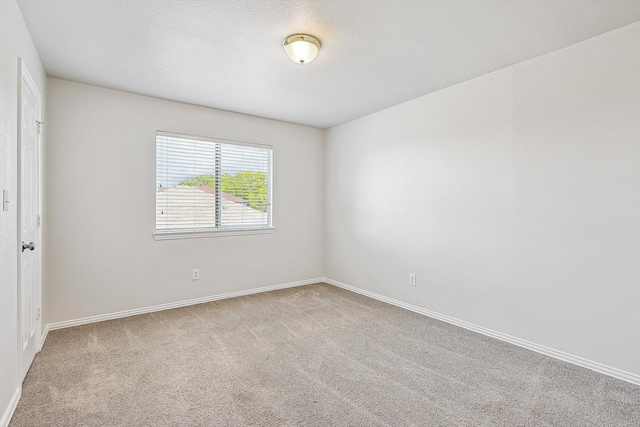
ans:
(206, 184)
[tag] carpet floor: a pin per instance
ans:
(315, 355)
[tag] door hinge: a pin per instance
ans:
(39, 220)
(38, 318)
(40, 126)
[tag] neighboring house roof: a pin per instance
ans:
(173, 212)
(207, 189)
(235, 199)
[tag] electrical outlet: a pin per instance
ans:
(412, 279)
(195, 274)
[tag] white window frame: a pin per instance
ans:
(213, 232)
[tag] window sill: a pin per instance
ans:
(173, 235)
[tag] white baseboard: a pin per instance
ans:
(168, 306)
(595, 366)
(13, 404)
(43, 337)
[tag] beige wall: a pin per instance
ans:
(15, 42)
(101, 180)
(514, 197)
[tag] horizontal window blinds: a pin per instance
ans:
(210, 184)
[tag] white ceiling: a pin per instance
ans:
(228, 54)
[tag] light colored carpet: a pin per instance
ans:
(315, 356)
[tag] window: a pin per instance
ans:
(207, 186)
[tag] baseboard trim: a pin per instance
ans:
(13, 404)
(43, 337)
(178, 304)
(579, 361)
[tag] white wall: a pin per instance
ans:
(15, 42)
(514, 197)
(101, 209)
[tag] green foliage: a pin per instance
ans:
(249, 185)
(209, 180)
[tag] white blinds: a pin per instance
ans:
(210, 184)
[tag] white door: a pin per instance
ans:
(29, 160)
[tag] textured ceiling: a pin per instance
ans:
(228, 54)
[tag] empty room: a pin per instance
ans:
(319, 213)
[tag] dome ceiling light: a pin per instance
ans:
(301, 48)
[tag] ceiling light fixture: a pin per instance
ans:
(301, 48)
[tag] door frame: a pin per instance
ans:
(24, 75)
